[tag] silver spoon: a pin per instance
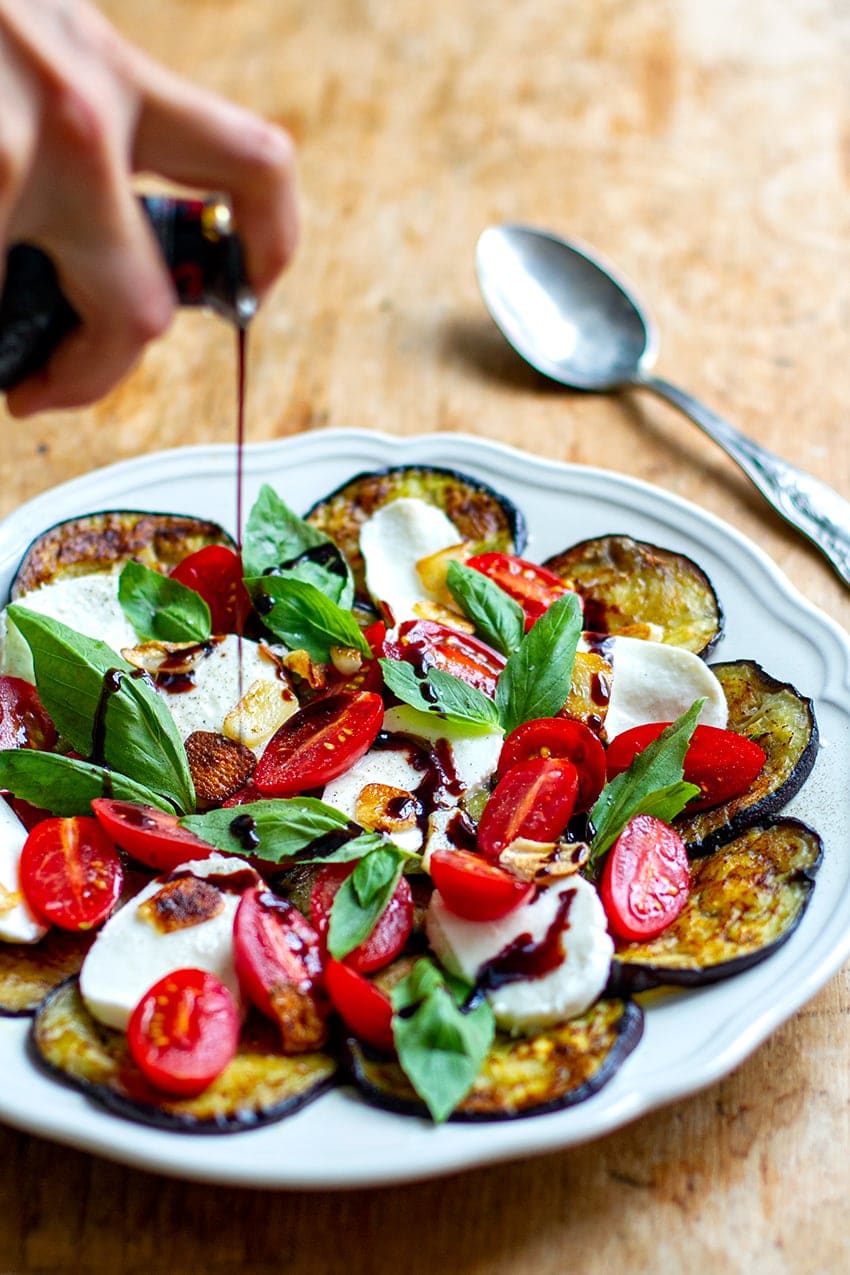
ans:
(569, 315)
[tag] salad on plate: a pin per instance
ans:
(375, 800)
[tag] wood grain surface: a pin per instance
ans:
(704, 148)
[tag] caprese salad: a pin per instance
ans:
(376, 800)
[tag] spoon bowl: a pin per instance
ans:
(570, 316)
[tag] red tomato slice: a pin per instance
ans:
(559, 737)
(534, 799)
(184, 1031)
(362, 1006)
(23, 720)
(70, 872)
(216, 573)
(149, 835)
(278, 959)
(426, 644)
(721, 763)
(318, 743)
(391, 931)
(474, 888)
(535, 588)
(646, 879)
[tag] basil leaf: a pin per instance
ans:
(162, 609)
(362, 898)
(498, 619)
(305, 619)
(66, 786)
(441, 694)
(666, 803)
(656, 770)
(536, 680)
(137, 734)
(440, 1047)
(275, 537)
(284, 827)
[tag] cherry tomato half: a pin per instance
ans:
(559, 737)
(534, 799)
(645, 880)
(319, 743)
(475, 888)
(70, 872)
(23, 720)
(426, 644)
(392, 929)
(535, 588)
(149, 835)
(720, 762)
(278, 960)
(184, 1031)
(362, 1006)
(215, 572)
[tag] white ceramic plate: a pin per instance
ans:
(691, 1038)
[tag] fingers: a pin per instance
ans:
(195, 137)
(124, 299)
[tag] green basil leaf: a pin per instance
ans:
(66, 786)
(658, 769)
(275, 537)
(285, 828)
(498, 619)
(440, 1046)
(136, 733)
(441, 694)
(304, 618)
(536, 680)
(162, 609)
(666, 803)
(362, 898)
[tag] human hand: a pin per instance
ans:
(82, 110)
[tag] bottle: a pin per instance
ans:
(201, 249)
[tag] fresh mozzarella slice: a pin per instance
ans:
(133, 951)
(214, 685)
(473, 755)
(388, 767)
(531, 1004)
(18, 923)
(654, 682)
(88, 604)
(392, 541)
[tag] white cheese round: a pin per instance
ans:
(131, 953)
(654, 682)
(531, 1004)
(392, 541)
(18, 922)
(88, 604)
(214, 684)
(474, 753)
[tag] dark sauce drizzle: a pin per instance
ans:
(523, 958)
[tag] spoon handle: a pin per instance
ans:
(801, 499)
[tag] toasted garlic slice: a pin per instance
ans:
(542, 861)
(590, 689)
(386, 809)
(262, 710)
(433, 569)
(178, 657)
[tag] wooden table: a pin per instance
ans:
(705, 148)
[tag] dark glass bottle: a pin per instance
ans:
(204, 258)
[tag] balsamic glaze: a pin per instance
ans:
(244, 829)
(525, 958)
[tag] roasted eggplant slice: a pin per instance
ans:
(486, 519)
(629, 586)
(260, 1085)
(782, 721)
(745, 900)
(102, 541)
(521, 1077)
(28, 971)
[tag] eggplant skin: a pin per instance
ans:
(484, 517)
(520, 1077)
(745, 901)
(103, 541)
(28, 971)
(259, 1086)
(782, 721)
(628, 585)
